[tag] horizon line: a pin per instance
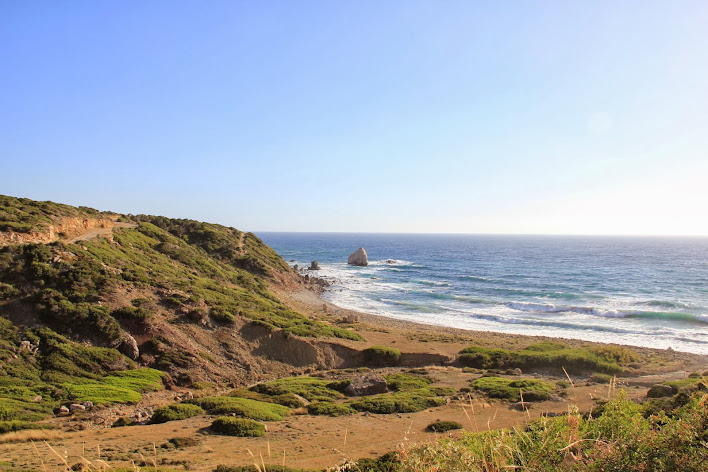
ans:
(634, 235)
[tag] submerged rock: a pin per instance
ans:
(358, 258)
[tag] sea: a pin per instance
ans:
(640, 291)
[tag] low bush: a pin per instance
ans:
(241, 427)
(600, 378)
(398, 402)
(507, 389)
(398, 382)
(177, 411)
(330, 409)
(603, 359)
(310, 388)
(443, 426)
(18, 425)
(247, 408)
(381, 355)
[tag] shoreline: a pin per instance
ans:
(406, 334)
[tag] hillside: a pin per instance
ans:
(190, 300)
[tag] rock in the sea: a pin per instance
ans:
(369, 384)
(314, 265)
(358, 258)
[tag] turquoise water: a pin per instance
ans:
(628, 290)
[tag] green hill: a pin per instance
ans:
(151, 293)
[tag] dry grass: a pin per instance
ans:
(30, 435)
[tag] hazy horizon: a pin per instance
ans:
(401, 117)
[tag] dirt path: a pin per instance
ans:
(100, 232)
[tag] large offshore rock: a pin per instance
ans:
(358, 258)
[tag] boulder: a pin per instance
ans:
(659, 391)
(63, 410)
(129, 347)
(314, 265)
(520, 406)
(358, 258)
(76, 407)
(369, 384)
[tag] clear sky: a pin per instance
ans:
(379, 116)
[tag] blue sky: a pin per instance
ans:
(397, 116)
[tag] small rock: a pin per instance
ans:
(516, 371)
(88, 404)
(37, 399)
(76, 407)
(520, 406)
(390, 261)
(63, 410)
(314, 265)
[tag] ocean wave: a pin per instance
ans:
(391, 262)
(478, 278)
(663, 304)
(608, 313)
(432, 282)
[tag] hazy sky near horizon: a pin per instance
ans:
(398, 116)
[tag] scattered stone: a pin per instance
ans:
(314, 265)
(37, 399)
(368, 384)
(350, 318)
(63, 410)
(303, 401)
(358, 258)
(88, 404)
(555, 398)
(660, 391)
(520, 406)
(516, 371)
(74, 407)
(390, 261)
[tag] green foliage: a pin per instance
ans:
(16, 425)
(176, 411)
(398, 382)
(269, 468)
(241, 427)
(620, 439)
(604, 359)
(381, 355)
(310, 388)
(222, 316)
(443, 426)
(100, 393)
(600, 378)
(408, 401)
(508, 389)
(389, 462)
(23, 215)
(253, 409)
(330, 409)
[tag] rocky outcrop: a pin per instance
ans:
(358, 258)
(62, 228)
(314, 265)
(369, 384)
(129, 346)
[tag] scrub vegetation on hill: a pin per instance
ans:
(66, 308)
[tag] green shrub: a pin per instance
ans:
(177, 411)
(241, 427)
(221, 315)
(253, 409)
(381, 355)
(443, 426)
(548, 355)
(397, 382)
(507, 389)
(17, 425)
(330, 409)
(600, 378)
(310, 388)
(398, 402)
